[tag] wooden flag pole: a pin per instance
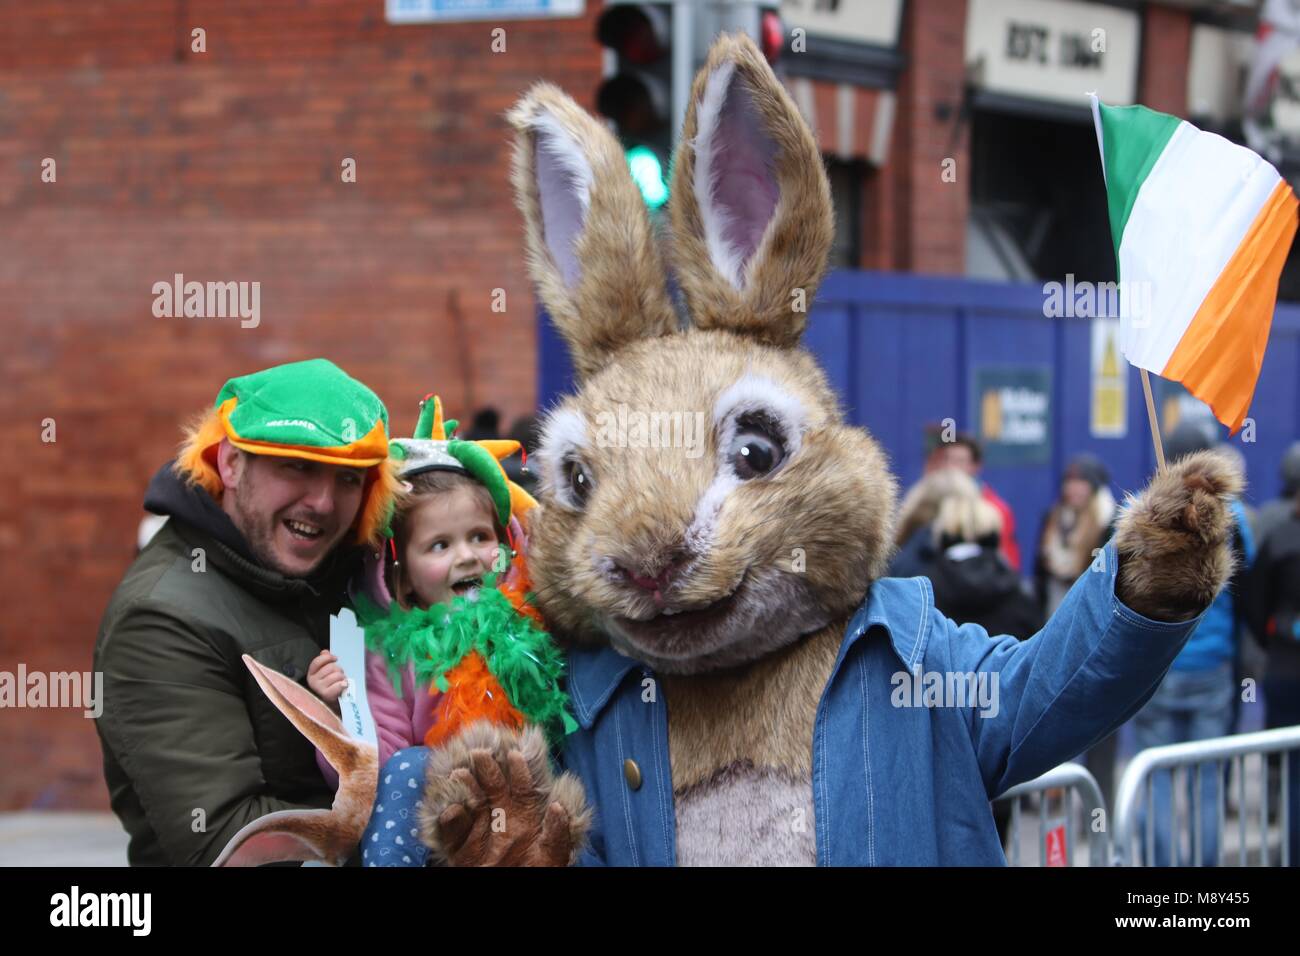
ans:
(1151, 417)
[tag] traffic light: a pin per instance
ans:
(654, 45)
(637, 97)
(771, 33)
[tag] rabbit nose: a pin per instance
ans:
(660, 579)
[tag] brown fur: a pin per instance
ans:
(621, 295)
(761, 715)
(835, 500)
(1173, 541)
(793, 252)
(442, 792)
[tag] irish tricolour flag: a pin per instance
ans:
(1202, 228)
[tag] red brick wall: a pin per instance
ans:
(1166, 54)
(915, 221)
(225, 165)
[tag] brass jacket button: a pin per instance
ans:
(633, 774)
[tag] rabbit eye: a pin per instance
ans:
(755, 451)
(579, 481)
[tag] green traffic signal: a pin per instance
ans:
(648, 174)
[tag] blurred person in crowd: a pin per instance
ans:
(920, 506)
(486, 425)
(1079, 523)
(1275, 512)
(1076, 526)
(972, 582)
(1195, 701)
(1252, 514)
(964, 452)
(1249, 658)
(952, 538)
(1272, 608)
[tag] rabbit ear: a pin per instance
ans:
(304, 709)
(751, 207)
(284, 836)
(327, 836)
(308, 713)
(591, 249)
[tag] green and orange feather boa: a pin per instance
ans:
(440, 643)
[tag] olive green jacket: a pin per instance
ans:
(193, 750)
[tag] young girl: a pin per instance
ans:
(444, 638)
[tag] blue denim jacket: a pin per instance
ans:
(892, 785)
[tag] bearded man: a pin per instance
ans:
(275, 492)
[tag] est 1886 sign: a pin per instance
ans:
(437, 11)
(1053, 49)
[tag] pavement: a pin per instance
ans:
(57, 838)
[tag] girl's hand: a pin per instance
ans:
(326, 678)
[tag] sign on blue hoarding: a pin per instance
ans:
(1013, 408)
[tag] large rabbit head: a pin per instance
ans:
(703, 501)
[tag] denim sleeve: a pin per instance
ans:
(1091, 667)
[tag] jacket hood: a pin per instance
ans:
(171, 495)
(972, 576)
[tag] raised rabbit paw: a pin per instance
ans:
(491, 799)
(1174, 539)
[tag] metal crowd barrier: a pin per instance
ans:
(1056, 843)
(1136, 788)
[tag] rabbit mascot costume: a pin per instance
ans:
(737, 663)
(749, 688)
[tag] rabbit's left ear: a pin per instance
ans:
(751, 206)
(591, 248)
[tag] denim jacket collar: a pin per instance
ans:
(595, 673)
(895, 600)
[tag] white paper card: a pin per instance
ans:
(348, 644)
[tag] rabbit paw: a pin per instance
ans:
(1174, 539)
(491, 799)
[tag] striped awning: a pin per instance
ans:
(850, 122)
